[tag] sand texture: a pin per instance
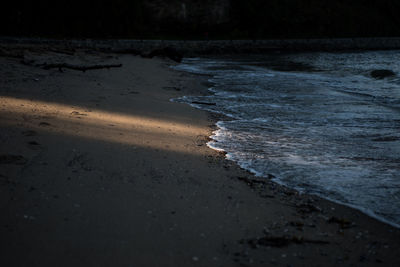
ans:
(100, 168)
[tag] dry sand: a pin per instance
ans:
(100, 168)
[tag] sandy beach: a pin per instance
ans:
(100, 168)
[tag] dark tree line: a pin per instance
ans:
(316, 18)
(72, 18)
(247, 19)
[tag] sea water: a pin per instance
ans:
(315, 122)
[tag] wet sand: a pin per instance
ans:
(100, 168)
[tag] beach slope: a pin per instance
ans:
(100, 168)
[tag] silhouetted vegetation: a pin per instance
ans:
(315, 18)
(72, 18)
(250, 19)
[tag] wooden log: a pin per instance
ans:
(61, 66)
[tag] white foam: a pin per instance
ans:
(307, 128)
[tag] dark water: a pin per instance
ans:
(317, 122)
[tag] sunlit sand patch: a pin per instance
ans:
(97, 124)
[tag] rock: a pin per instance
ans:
(343, 223)
(307, 208)
(172, 88)
(281, 241)
(204, 103)
(296, 224)
(251, 182)
(381, 74)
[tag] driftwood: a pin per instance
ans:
(61, 66)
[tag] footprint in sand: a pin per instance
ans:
(43, 123)
(4, 180)
(33, 143)
(130, 93)
(12, 159)
(79, 161)
(78, 114)
(29, 133)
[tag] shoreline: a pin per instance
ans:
(222, 118)
(110, 172)
(212, 47)
(363, 210)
